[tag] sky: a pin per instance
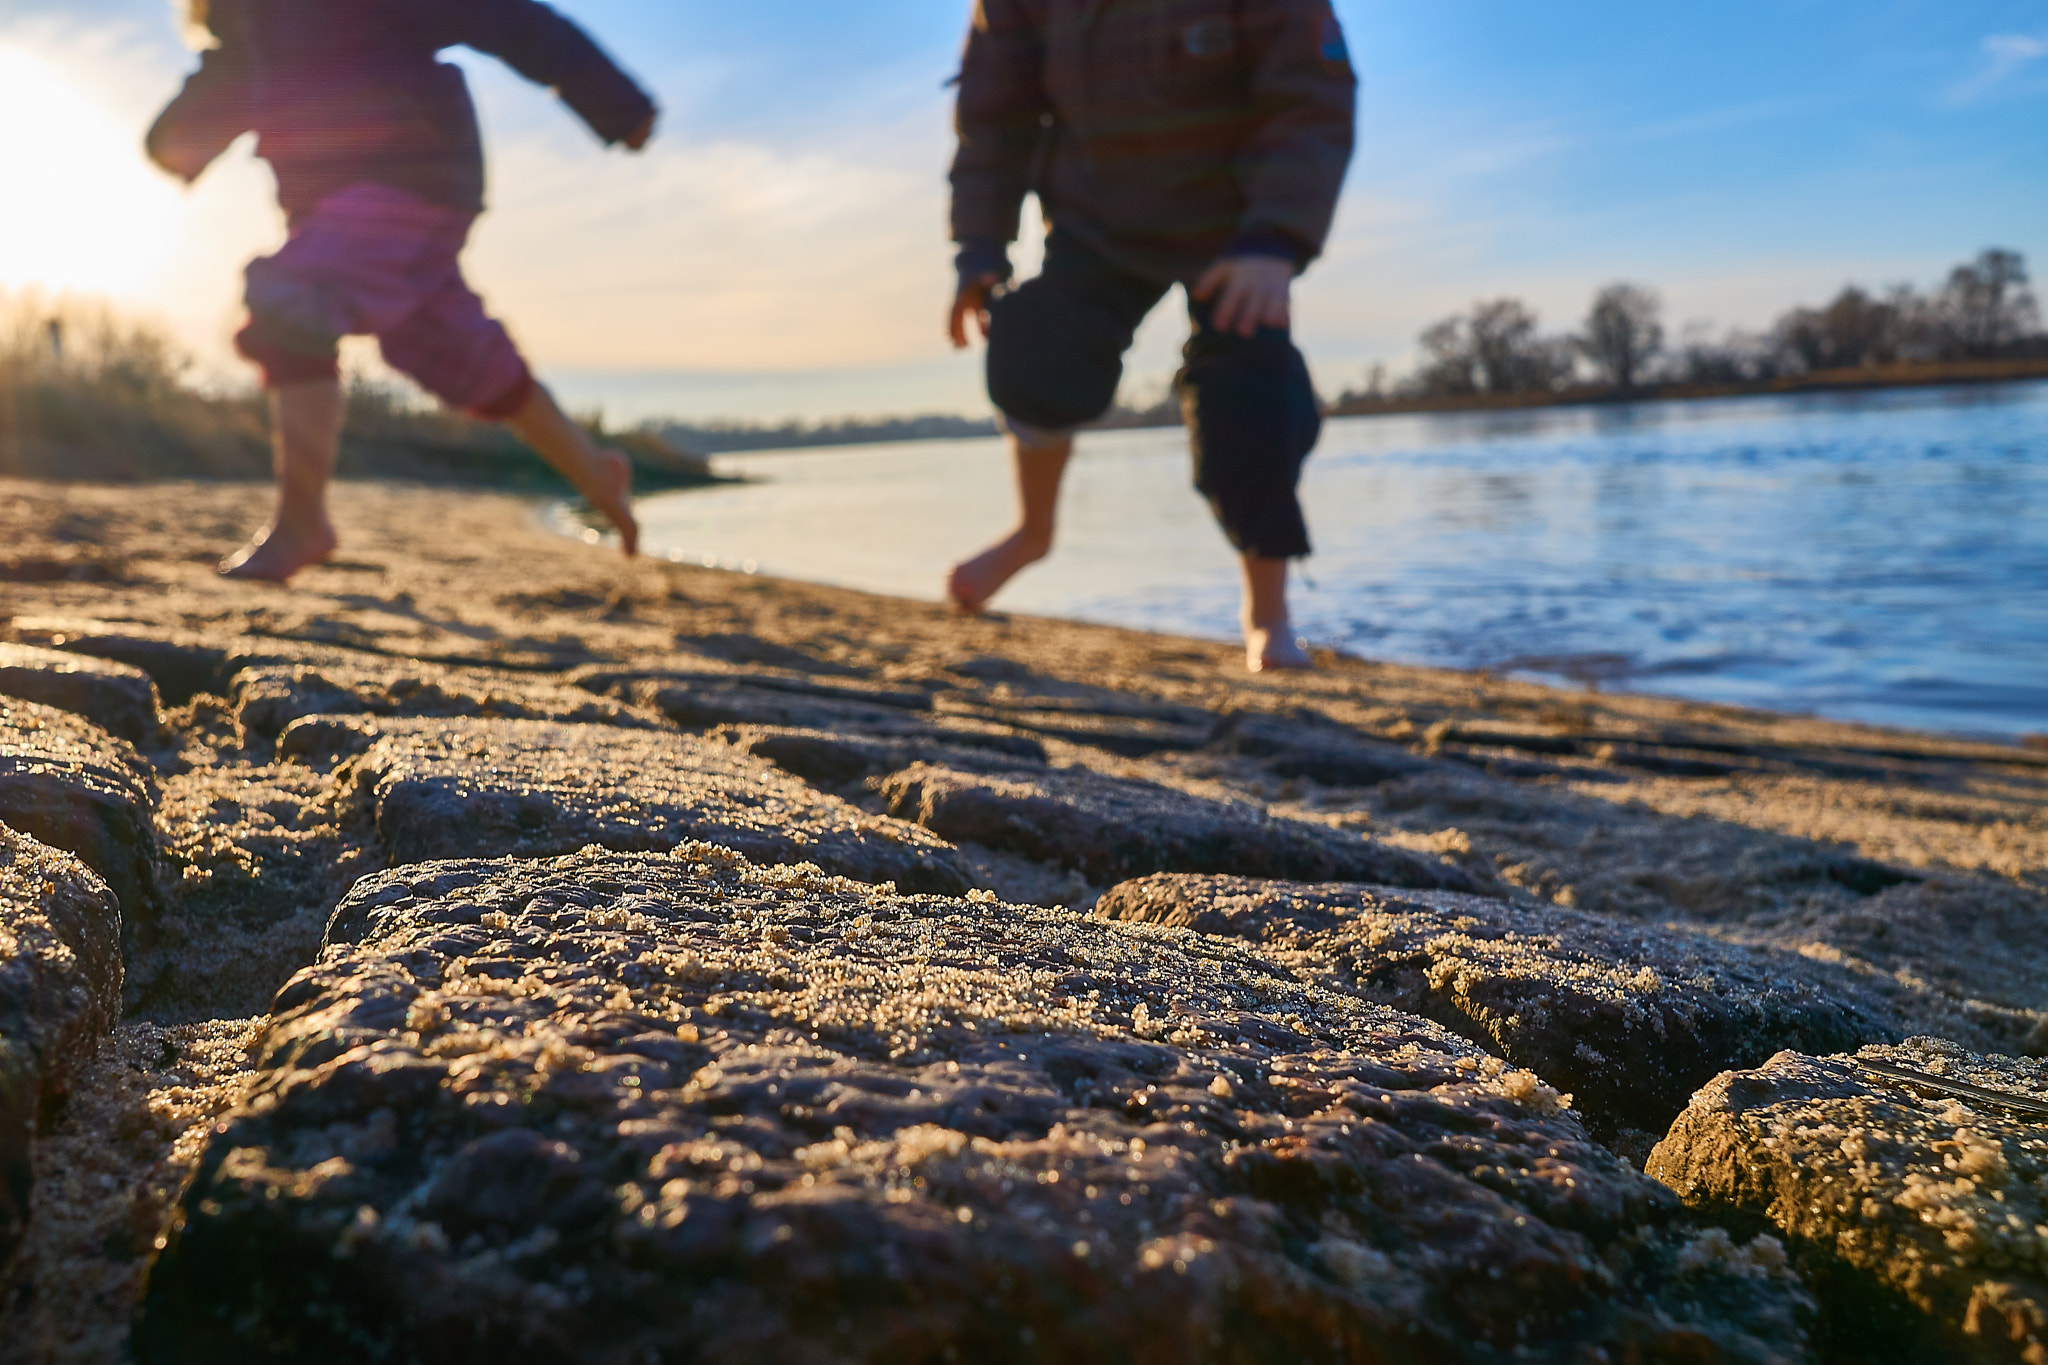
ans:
(780, 250)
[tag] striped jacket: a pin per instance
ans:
(1161, 133)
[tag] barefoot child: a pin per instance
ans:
(380, 172)
(1191, 142)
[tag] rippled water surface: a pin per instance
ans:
(1873, 557)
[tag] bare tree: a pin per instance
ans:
(1915, 326)
(1861, 330)
(1802, 339)
(1855, 329)
(1375, 390)
(1734, 357)
(1493, 349)
(1985, 309)
(1449, 367)
(1546, 363)
(1503, 337)
(1623, 333)
(1987, 304)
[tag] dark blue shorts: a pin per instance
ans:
(1056, 355)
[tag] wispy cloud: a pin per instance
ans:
(2014, 50)
(2006, 56)
(722, 255)
(1719, 120)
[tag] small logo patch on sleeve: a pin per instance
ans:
(1209, 38)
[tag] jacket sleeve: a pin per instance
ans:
(212, 110)
(1303, 93)
(546, 48)
(1001, 119)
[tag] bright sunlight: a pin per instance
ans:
(81, 210)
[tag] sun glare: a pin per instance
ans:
(80, 208)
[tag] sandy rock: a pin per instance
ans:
(1982, 948)
(1694, 869)
(1115, 723)
(321, 741)
(841, 686)
(837, 760)
(1919, 1207)
(1628, 1019)
(119, 699)
(1323, 753)
(74, 787)
(256, 857)
(620, 1108)
(60, 991)
(468, 787)
(462, 577)
(268, 698)
(1110, 828)
(717, 692)
(1963, 957)
(181, 663)
(798, 654)
(108, 1173)
(707, 703)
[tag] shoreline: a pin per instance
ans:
(560, 518)
(1589, 639)
(1867, 379)
(1870, 379)
(802, 913)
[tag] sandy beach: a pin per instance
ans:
(1894, 880)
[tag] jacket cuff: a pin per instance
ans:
(983, 256)
(1270, 242)
(613, 114)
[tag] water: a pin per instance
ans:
(1877, 557)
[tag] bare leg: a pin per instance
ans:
(1039, 469)
(1269, 642)
(603, 477)
(305, 435)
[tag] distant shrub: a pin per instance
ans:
(87, 393)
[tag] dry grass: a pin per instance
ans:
(89, 394)
(86, 393)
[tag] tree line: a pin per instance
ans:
(1984, 310)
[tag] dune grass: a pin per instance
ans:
(89, 393)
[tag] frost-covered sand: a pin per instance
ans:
(1856, 886)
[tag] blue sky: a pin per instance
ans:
(780, 250)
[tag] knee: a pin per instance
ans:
(1250, 406)
(291, 334)
(1042, 372)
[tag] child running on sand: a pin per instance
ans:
(1191, 142)
(380, 172)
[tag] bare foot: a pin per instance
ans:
(611, 492)
(974, 581)
(1275, 650)
(278, 552)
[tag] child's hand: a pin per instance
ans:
(971, 301)
(1250, 292)
(637, 139)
